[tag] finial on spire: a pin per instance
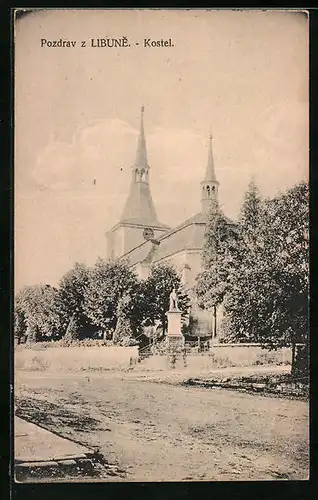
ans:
(210, 172)
(141, 154)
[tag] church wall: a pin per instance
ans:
(192, 267)
(188, 264)
(203, 320)
(124, 238)
(177, 260)
(116, 240)
(109, 245)
(198, 235)
(133, 236)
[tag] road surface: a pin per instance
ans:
(163, 432)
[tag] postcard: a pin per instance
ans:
(161, 245)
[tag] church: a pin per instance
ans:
(143, 240)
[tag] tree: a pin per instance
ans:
(38, 313)
(268, 299)
(32, 334)
(73, 330)
(108, 282)
(218, 256)
(287, 250)
(155, 292)
(210, 243)
(251, 218)
(243, 302)
(72, 288)
(123, 334)
(20, 325)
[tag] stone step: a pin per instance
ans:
(41, 453)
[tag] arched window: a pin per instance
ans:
(213, 188)
(208, 191)
(136, 175)
(143, 176)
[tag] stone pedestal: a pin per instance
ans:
(175, 339)
(174, 322)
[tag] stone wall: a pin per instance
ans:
(251, 354)
(224, 356)
(72, 359)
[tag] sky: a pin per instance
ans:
(241, 75)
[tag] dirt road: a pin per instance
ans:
(161, 432)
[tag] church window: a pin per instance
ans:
(136, 174)
(213, 188)
(208, 191)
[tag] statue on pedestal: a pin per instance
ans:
(173, 301)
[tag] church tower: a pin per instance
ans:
(139, 219)
(209, 185)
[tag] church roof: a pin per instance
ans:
(139, 208)
(173, 241)
(189, 235)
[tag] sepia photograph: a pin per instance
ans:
(161, 245)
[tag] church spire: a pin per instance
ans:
(209, 185)
(141, 154)
(210, 172)
(139, 208)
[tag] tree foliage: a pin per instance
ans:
(19, 323)
(155, 293)
(124, 334)
(259, 269)
(108, 282)
(243, 302)
(73, 330)
(218, 256)
(72, 289)
(268, 301)
(37, 313)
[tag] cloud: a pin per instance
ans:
(285, 125)
(94, 151)
(96, 163)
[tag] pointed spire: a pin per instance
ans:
(139, 208)
(210, 172)
(141, 154)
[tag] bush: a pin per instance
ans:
(37, 364)
(220, 361)
(266, 358)
(68, 343)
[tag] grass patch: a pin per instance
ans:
(281, 385)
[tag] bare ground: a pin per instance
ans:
(165, 432)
